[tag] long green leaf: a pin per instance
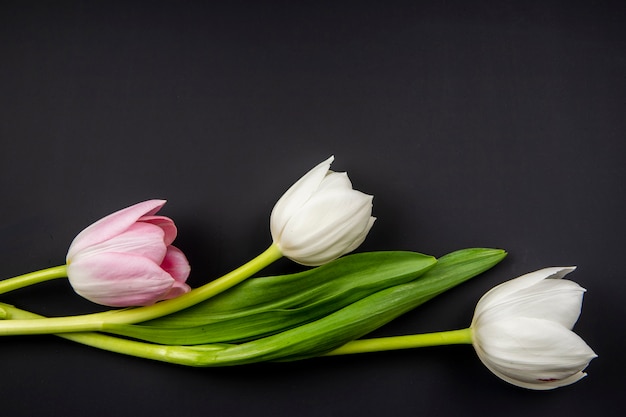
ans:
(358, 318)
(313, 338)
(263, 306)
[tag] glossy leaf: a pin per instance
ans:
(263, 306)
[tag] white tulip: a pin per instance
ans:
(321, 217)
(522, 330)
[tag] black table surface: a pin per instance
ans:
(493, 124)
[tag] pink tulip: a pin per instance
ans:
(126, 258)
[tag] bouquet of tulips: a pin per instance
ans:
(521, 329)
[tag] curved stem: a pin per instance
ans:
(31, 278)
(182, 355)
(197, 295)
(452, 337)
(207, 355)
(93, 322)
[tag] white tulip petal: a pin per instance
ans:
(297, 195)
(557, 300)
(327, 218)
(325, 212)
(361, 237)
(323, 222)
(522, 330)
(538, 385)
(533, 353)
(502, 291)
(335, 181)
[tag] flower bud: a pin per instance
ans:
(126, 258)
(321, 217)
(522, 330)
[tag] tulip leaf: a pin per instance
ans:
(267, 305)
(358, 318)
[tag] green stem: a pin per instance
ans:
(94, 322)
(31, 278)
(182, 355)
(207, 355)
(452, 337)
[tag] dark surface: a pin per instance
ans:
(491, 124)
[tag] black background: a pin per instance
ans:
(496, 124)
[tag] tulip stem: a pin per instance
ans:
(203, 355)
(31, 278)
(452, 337)
(96, 321)
(182, 355)
(199, 294)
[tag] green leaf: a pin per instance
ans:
(358, 318)
(263, 306)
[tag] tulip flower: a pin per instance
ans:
(321, 217)
(289, 317)
(521, 331)
(127, 258)
(316, 221)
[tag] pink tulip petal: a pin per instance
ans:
(164, 223)
(176, 264)
(178, 289)
(112, 225)
(119, 280)
(140, 239)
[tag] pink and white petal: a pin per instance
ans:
(178, 289)
(176, 264)
(164, 223)
(119, 280)
(140, 239)
(113, 224)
